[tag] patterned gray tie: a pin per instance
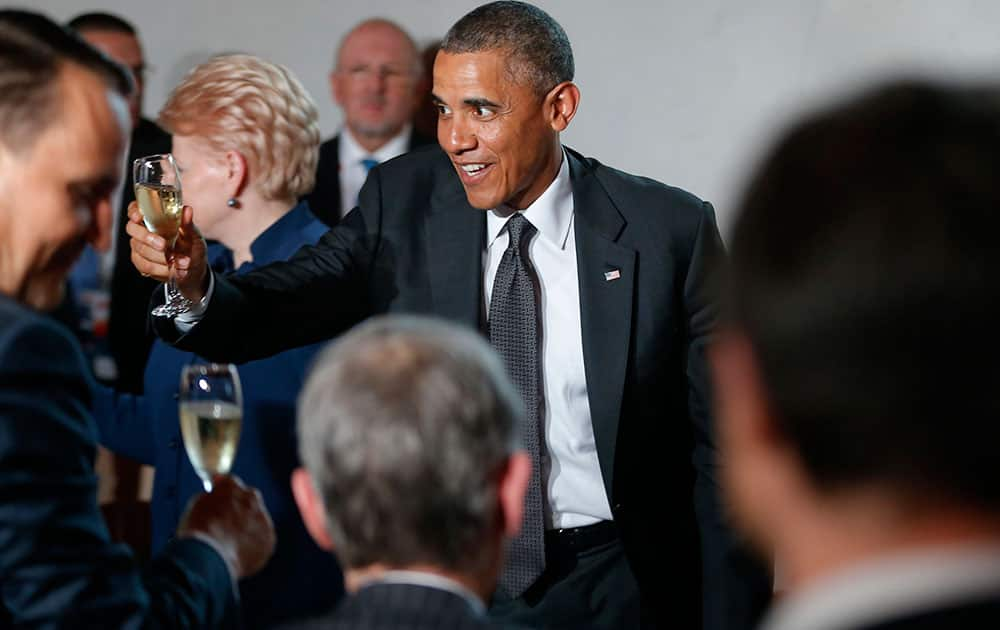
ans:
(514, 329)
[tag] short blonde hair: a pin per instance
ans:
(243, 103)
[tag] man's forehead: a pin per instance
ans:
(482, 69)
(92, 115)
(376, 38)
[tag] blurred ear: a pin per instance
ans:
(236, 173)
(561, 104)
(311, 508)
(337, 80)
(742, 404)
(514, 480)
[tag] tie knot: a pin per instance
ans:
(518, 228)
(368, 163)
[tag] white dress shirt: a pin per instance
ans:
(891, 587)
(353, 172)
(570, 468)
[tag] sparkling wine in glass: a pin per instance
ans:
(158, 193)
(211, 415)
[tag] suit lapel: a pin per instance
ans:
(607, 282)
(455, 232)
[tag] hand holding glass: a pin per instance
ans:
(211, 414)
(158, 193)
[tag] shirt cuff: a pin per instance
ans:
(187, 320)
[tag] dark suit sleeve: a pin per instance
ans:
(57, 565)
(321, 291)
(736, 588)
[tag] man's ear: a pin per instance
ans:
(336, 87)
(561, 104)
(311, 508)
(743, 407)
(514, 478)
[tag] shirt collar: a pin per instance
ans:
(551, 213)
(431, 580)
(887, 588)
(352, 153)
(279, 241)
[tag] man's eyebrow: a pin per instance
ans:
(93, 185)
(480, 102)
(471, 102)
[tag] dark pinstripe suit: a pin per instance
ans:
(386, 606)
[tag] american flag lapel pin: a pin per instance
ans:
(614, 274)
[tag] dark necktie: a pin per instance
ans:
(515, 334)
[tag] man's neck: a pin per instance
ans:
(371, 143)
(356, 578)
(865, 527)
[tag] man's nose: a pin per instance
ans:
(99, 228)
(456, 135)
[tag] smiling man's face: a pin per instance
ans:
(496, 131)
(56, 194)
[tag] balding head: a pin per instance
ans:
(375, 81)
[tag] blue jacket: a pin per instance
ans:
(300, 578)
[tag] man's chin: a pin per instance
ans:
(45, 296)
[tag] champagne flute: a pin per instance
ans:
(158, 193)
(211, 416)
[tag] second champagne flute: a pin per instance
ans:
(211, 415)
(158, 193)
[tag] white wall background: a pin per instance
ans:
(684, 91)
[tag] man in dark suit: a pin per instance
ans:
(123, 335)
(109, 298)
(419, 532)
(598, 307)
(857, 364)
(63, 126)
(377, 81)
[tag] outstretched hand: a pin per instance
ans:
(151, 257)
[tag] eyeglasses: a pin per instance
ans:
(141, 71)
(382, 73)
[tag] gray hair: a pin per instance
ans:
(540, 53)
(404, 425)
(33, 52)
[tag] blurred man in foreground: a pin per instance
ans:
(111, 295)
(63, 130)
(419, 529)
(857, 372)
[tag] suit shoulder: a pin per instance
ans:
(30, 339)
(619, 183)
(653, 205)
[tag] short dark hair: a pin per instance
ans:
(33, 52)
(97, 21)
(539, 48)
(865, 273)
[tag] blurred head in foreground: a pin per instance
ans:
(857, 365)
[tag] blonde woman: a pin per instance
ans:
(246, 140)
